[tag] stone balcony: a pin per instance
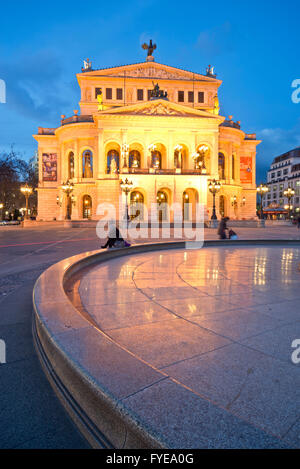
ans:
(171, 172)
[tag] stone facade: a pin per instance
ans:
(168, 148)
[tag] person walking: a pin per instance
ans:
(223, 228)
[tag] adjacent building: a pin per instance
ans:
(160, 127)
(284, 172)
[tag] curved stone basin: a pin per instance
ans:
(180, 348)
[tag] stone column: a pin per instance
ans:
(41, 151)
(63, 168)
(229, 174)
(76, 161)
(101, 156)
(253, 155)
(170, 150)
(237, 167)
(147, 158)
(122, 154)
(214, 156)
(194, 139)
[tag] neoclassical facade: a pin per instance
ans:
(160, 127)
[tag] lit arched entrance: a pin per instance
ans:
(189, 204)
(136, 205)
(162, 200)
(87, 206)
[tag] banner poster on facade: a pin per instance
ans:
(49, 167)
(246, 169)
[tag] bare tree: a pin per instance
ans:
(14, 171)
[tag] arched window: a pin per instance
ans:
(87, 206)
(134, 159)
(185, 206)
(71, 165)
(87, 164)
(113, 161)
(136, 205)
(202, 161)
(189, 204)
(162, 205)
(233, 167)
(156, 159)
(221, 166)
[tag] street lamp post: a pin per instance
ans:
(68, 188)
(26, 191)
(214, 187)
(126, 187)
(262, 189)
(289, 193)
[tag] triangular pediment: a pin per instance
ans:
(160, 107)
(152, 70)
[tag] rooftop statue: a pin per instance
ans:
(210, 71)
(157, 93)
(151, 47)
(87, 65)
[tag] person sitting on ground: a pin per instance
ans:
(223, 227)
(232, 234)
(114, 237)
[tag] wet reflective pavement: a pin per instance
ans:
(218, 322)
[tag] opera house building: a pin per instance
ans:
(156, 125)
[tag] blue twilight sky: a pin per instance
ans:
(254, 47)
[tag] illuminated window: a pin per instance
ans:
(87, 164)
(112, 161)
(233, 167)
(134, 159)
(221, 166)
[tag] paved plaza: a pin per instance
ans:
(260, 317)
(219, 324)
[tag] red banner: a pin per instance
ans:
(49, 167)
(246, 169)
